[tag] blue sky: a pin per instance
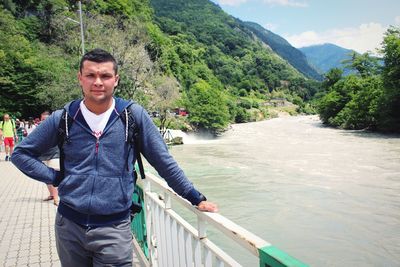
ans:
(353, 24)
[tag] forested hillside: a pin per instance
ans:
(282, 47)
(227, 46)
(40, 49)
(181, 53)
(187, 54)
(328, 56)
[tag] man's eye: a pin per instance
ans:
(89, 75)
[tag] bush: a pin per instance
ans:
(242, 116)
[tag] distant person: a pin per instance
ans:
(97, 179)
(30, 126)
(19, 125)
(51, 159)
(8, 133)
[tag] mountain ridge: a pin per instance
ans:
(284, 49)
(327, 56)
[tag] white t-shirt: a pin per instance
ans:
(29, 130)
(97, 123)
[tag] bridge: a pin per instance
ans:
(168, 231)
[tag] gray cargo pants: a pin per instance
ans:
(101, 246)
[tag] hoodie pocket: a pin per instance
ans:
(109, 195)
(63, 182)
(75, 190)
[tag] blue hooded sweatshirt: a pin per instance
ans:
(98, 184)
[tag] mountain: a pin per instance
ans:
(282, 47)
(225, 44)
(327, 56)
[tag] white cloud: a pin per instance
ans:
(367, 37)
(290, 3)
(231, 2)
(397, 21)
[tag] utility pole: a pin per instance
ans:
(81, 23)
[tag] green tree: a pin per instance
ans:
(166, 93)
(332, 77)
(390, 116)
(20, 71)
(207, 108)
(336, 99)
(365, 64)
(362, 110)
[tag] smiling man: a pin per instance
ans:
(97, 181)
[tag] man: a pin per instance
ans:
(8, 132)
(19, 126)
(92, 223)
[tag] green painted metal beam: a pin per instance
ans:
(138, 224)
(271, 256)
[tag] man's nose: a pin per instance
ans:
(98, 81)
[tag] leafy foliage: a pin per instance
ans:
(206, 107)
(21, 69)
(390, 116)
(370, 98)
(182, 49)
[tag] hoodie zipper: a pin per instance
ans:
(97, 149)
(96, 154)
(96, 159)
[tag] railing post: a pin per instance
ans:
(167, 200)
(149, 221)
(201, 227)
(192, 245)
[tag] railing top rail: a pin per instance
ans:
(242, 236)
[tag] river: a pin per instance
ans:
(325, 196)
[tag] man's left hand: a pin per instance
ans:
(207, 206)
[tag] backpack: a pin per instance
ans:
(132, 140)
(12, 122)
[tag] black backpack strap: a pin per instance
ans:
(62, 137)
(133, 136)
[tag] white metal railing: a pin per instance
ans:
(173, 242)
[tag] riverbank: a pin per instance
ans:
(191, 137)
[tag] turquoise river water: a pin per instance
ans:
(325, 196)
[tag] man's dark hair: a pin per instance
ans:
(99, 56)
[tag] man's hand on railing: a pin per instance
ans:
(207, 206)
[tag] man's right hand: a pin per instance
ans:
(207, 206)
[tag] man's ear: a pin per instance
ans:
(116, 80)
(79, 81)
(79, 77)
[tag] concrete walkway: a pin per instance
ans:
(26, 221)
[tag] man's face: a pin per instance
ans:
(98, 81)
(43, 117)
(6, 117)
